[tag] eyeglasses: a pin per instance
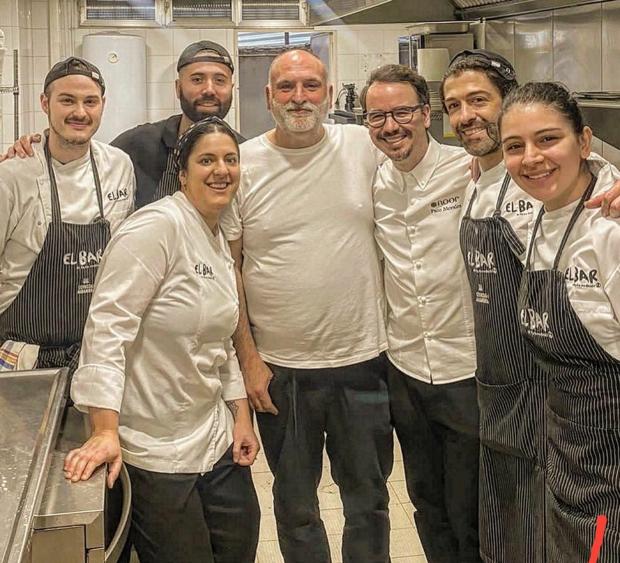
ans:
(401, 115)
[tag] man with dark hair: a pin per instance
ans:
(511, 388)
(57, 212)
(418, 195)
(203, 87)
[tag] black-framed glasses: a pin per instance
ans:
(402, 115)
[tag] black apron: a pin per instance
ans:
(52, 306)
(582, 414)
(169, 182)
(511, 395)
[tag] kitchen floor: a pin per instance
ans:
(405, 545)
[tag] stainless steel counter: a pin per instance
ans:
(31, 405)
(43, 517)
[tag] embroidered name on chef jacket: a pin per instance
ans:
(446, 204)
(204, 271)
(519, 206)
(83, 259)
(580, 278)
(118, 194)
(481, 295)
(86, 286)
(537, 323)
(481, 263)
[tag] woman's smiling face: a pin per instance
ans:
(543, 153)
(212, 174)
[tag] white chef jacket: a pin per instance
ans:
(518, 208)
(430, 317)
(311, 273)
(26, 209)
(590, 263)
(157, 344)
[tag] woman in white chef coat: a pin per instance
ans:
(569, 308)
(158, 373)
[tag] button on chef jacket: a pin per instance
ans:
(26, 209)
(417, 215)
(157, 344)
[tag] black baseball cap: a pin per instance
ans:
(217, 55)
(487, 59)
(74, 65)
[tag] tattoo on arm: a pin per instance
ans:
(234, 408)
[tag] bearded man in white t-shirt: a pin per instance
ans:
(310, 342)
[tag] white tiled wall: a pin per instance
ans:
(163, 49)
(357, 50)
(361, 48)
(25, 24)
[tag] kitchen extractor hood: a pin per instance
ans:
(601, 111)
(335, 12)
(322, 11)
(470, 9)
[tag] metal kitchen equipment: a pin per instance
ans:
(601, 111)
(44, 518)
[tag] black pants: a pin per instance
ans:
(347, 410)
(189, 518)
(437, 427)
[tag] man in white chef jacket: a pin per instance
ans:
(56, 214)
(302, 233)
(418, 195)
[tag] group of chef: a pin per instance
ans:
(498, 367)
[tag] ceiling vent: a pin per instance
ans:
(322, 11)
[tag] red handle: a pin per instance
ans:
(601, 524)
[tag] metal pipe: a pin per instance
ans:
(15, 91)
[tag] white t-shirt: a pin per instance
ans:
(26, 209)
(311, 272)
(157, 343)
(590, 262)
(430, 317)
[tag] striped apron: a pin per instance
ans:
(52, 306)
(582, 414)
(511, 395)
(169, 182)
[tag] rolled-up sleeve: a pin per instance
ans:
(130, 273)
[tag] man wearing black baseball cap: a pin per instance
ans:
(204, 87)
(58, 211)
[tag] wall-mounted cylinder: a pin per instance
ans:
(122, 62)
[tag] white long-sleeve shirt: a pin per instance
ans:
(157, 344)
(430, 316)
(26, 210)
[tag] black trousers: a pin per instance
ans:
(347, 410)
(437, 427)
(193, 518)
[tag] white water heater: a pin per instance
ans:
(122, 62)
